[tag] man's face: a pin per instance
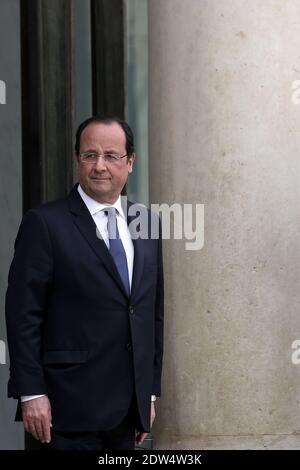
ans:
(104, 181)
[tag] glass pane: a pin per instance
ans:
(136, 43)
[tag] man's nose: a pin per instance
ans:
(100, 164)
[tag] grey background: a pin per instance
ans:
(11, 434)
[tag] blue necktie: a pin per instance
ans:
(116, 247)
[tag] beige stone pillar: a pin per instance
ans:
(224, 131)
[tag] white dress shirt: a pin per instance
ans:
(96, 209)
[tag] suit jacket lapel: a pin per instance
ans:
(138, 264)
(86, 225)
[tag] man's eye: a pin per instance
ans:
(110, 157)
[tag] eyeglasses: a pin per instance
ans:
(91, 157)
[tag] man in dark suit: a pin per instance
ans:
(84, 305)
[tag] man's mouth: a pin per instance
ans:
(100, 179)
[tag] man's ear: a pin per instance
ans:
(75, 162)
(130, 161)
(76, 159)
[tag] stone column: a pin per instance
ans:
(224, 131)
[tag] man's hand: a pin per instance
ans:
(141, 436)
(37, 418)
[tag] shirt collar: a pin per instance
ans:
(94, 206)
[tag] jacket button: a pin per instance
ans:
(128, 347)
(131, 309)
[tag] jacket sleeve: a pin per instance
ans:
(29, 281)
(159, 321)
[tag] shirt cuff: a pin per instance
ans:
(30, 397)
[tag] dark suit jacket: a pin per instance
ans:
(73, 333)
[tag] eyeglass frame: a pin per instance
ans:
(98, 156)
